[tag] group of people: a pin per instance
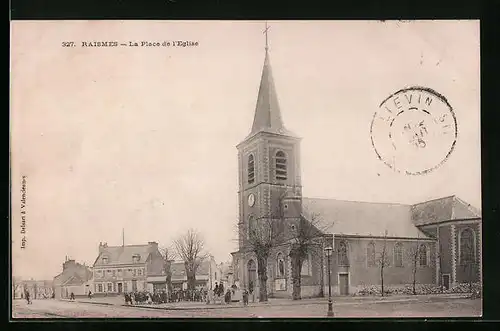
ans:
(27, 296)
(197, 295)
(158, 297)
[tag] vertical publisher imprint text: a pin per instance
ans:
(23, 212)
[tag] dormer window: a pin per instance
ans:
(251, 169)
(136, 258)
(105, 259)
(281, 169)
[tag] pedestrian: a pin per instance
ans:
(90, 294)
(227, 298)
(221, 289)
(72, 296)
(27, 296)
(245, 297)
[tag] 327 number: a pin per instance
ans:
(68, 44)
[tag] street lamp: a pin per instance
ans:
(328, 252)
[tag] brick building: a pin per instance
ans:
(443, 236)
(75, 278)
(128, 268)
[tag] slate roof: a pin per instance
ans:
(372, 219)
(443, 209)
(362, 218)
(267, 116)
(77, 270)
(123, 254)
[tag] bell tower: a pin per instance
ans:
(268, 162)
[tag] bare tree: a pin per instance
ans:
(16, 285)
(264, 234)
(189, 248)
(413, 254)
(383, 261)
(35, 290)
(168, 255)
(305, 240)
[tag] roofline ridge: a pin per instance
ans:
(358, 201)
(427, 201)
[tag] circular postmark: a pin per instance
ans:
(414, 131)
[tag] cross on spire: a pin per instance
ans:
(265, 32)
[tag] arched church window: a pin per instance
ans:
(342, 253)
(281, 168)
(251, 227)
(422, 255)
(251, 169)
(398, 255)
(281, 266)
(467, 246)
(370, 254)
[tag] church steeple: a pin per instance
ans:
(267, 116)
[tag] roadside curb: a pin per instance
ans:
(343, 302)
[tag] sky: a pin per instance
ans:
(144, 138)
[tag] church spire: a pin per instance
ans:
(267, 111)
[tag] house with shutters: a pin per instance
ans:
(128, 268)
(442, 237)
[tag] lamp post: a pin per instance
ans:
(328, 251)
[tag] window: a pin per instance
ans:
(114, 287)
(100, 288)
(422, 255)
(342, 254)
(136, 258)
(110, 287)
(125, 287)
(251, 169)
(251, 226)
(398, 255)
(134, 272)
(370, 255)
(140, 272)
(134, 285)
(114, 273)
(281, 266)
(281, 172)
(467, 249)
(104, 259)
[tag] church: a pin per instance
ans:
(438, 242)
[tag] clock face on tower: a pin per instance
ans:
(251, 199)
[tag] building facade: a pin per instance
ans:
(208, 274)
(438, 241)
(128, 268)
(75, 278)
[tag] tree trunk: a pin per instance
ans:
(296, 279)
(191, 280)
(382, 278)
(414, 276)
(262, 273)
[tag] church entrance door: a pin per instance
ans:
(446, 281)
(344, 284)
